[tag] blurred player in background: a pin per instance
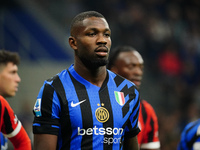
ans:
(127, 62)
(190, 136)
(10, 126)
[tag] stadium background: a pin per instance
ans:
(165, 32)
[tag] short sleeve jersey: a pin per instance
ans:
(190, 137)
(9, 124)
(148, 123)
(85, 116)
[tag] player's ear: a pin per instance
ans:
(72, 42)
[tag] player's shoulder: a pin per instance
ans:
(119, 78)
(3, 101)
(112, 74)
(55, 77)
(1, 98)
(4, 105)
(148, 107)
(193, 124)
(146, 104)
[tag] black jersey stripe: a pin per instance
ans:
(192, 141)
(7, 121)
(66, 130)
(104, 85)
(150, 137)
(47, 100)
(86, 112)
(127, 90)
(105, 100)
(118, 80)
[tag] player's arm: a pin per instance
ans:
(46, 123)
(154, 143)
(21, 141)
(130, 138)
(131, 143)
(45, 142)
(13, 129)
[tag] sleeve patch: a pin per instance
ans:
(37, 108)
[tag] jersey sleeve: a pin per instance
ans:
(46, 111)
(10, 125)
(150, 139)
(21, 141)
(12, 128)
(132, 128)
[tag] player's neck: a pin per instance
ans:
(95, 76)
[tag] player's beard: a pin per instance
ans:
(94, 63)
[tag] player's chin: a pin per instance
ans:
(137, 83)
(102, 61)
(11, 94)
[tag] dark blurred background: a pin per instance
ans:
(165, 32)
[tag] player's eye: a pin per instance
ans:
(91, 34)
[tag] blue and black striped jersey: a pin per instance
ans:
(85, 116)
(190, 137)
(3, 142)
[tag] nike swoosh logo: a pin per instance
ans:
(76, 104)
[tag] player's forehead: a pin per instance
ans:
(10, 67)
(131, 57)
(95, 22)
(90, 23)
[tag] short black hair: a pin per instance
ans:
(80, 17)
(115, 53)
(8, 56)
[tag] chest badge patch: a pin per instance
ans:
(102, 114)
(119, 96)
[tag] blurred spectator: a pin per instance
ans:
(169, 61)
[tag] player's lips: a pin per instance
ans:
(16, 88)
(102, 51)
